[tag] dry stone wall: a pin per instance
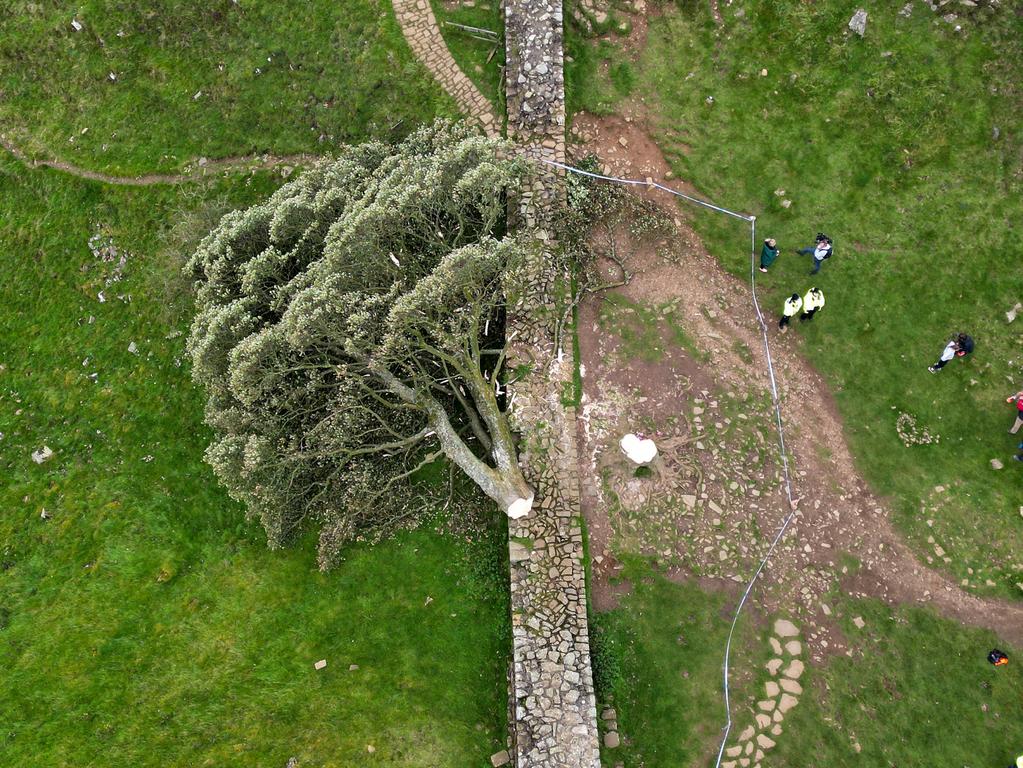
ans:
(555, 722)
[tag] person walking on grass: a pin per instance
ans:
(768, 253)
(1018, 399)
(820, 251)
(792, 306)
(960, 346)
(812, 302)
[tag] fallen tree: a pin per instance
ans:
(349, 332)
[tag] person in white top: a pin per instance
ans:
(960, 346)
(821, 251)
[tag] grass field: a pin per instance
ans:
(145, 622)
(658, 664)
(891, 703)
(205, 79)
(904, 146)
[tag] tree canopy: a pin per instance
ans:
(349, 332)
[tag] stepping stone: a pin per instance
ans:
(778, 716)
(763, 720)
(775, 645)
(776, 731)
(747, 733)
(748, 749)
(500, 758)
(609, 714)
(765, 742)
(729, 764)
(793, 647)
(611, 740)
(791, 686)
(795, 669)
(758, 756)
(787, 703)
(772, 689)
(785, 628)
(767, 705)
(773, 666)
(744, 762)
(733, 751)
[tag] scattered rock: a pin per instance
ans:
(787, 702)
(791, 686)
(996, 464)
(795, 669)
(1011, 314)
(859, 622)
(76, 25)
(44, 514)
(352, 667)
(785, 628)
(500, 758)
(765, 742)
(42, 455)
(858, 23)
(320, 664)
(133, 348)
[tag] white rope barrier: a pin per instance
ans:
(774, 398)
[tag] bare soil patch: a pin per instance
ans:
(677, 355)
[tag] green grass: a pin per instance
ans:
(911, 675)
(886, 143)
(917, 689)
(146, 623)
(658, 663)
(275, 77)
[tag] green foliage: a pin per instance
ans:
(608, 649)
(213, 78)
(145, 624)
(336, 320)
(887, 143)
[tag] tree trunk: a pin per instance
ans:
(503, 483)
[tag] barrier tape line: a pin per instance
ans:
(774, 398)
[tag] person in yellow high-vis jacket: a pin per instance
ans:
(812, 302)
(792, 306)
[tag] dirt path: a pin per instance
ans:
(197, 169)
(715, 498)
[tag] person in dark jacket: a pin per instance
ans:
(768, 253)
(820, 251)
(960, 346)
